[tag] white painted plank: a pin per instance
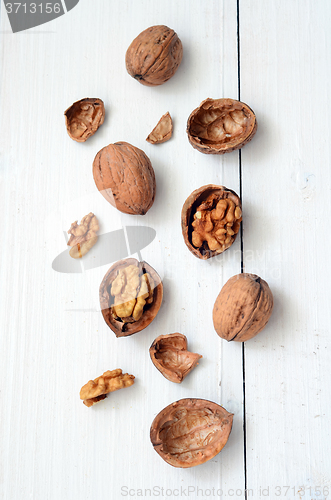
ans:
(54, 338)
(285, 75)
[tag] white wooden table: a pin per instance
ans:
(276, 53)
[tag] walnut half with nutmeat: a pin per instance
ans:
(211, 218)
(130, 296)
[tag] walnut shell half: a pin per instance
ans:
(125, 177)
(242, 308)
(154, 56)
(130, 296)
(211, 218)
(190, 431)
(170, 356)
(220, 126)
(83, 118)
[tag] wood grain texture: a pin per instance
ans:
(286, 200)
(53, 337)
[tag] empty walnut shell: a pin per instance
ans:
(127, 326)
(190, 431)
(154, 56)
(170, 356)
(216, 229)
(125, 177)
(220, 126)
(83, 118)
(242, 308)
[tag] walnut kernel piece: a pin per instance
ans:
(162, 132)
(131, 291)
(170, 356)
(83, 236)
(190, 431)
(97, 389)
(83, 118)
(130, 296)
(220, 126)
(211, 218)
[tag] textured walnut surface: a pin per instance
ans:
(190, 431)
(243, 307)
(83, 118)
(83, 236)
(220, 126)
(170, 356)
(211, 218)
(130, 296)
(154, 55)
(97, 389)
(125, 177)
(162, 132)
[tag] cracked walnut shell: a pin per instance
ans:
(125, 177)
(190, 431)
(242, 308)
(170, 356)
(162, 132)
(211, 218)
(130, 296)
(83, 236)
(96, 390)
(220, 126)
(154, 55)
(83, 118)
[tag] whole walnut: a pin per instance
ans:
(125, 177)
(242, 308)
(154, 56)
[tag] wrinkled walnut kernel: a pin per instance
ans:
(216, 222)
(211, 218)
(83, 236)
(84, 118)
(170, 356)
(162, 132)
(97, 389)
(131, 292)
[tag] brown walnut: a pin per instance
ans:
(154, 56)
(211, 218)
(190, 431)
(96, 390)
(170, 356)
(125, 177)
(220, 126)
(83, 118)
(242, 308)
(83, 236)
(162, 132)
(130, 296)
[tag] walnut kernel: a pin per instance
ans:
(83, 236)
(97, 389)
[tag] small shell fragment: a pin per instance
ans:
(162, 132)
